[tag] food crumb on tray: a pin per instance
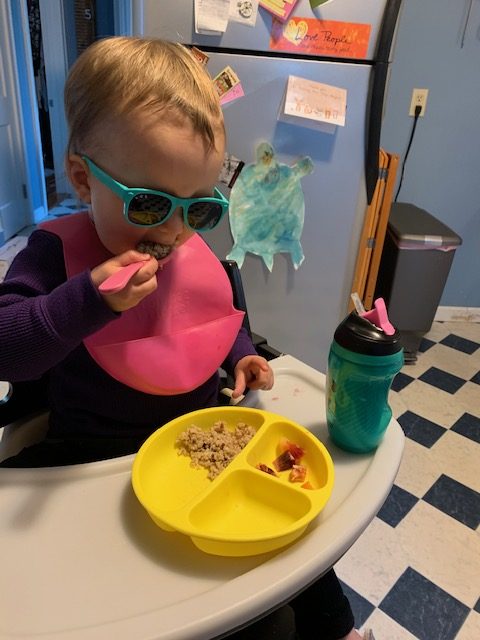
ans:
(214, 448)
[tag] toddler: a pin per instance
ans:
(121, 316)
(145, 150)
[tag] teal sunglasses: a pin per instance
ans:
(149, 208)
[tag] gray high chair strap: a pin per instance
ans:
(5, 391)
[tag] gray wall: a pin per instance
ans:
(442, 173)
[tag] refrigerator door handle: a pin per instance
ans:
(374, 125)
(380, 74)
(387, 30)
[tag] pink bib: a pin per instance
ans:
(175, 338)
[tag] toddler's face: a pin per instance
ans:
(145, 151)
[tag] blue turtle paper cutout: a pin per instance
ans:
(267, 208)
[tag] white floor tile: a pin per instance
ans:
(416, 457)
(468, 398)
(459, 458)
(374, 563)
(471, 628)
(453, 455)
(443, 550)
(438, 331)
(384, 628)
(448, 359)
(467, 330)
(431, 403)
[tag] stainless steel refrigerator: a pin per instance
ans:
(297, 310)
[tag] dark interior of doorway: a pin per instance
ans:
(85, 21)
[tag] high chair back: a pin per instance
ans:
(239, 302)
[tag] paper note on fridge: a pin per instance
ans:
(314, 105)
(211, 16)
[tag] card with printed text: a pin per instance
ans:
(313, 104)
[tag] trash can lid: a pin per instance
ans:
(412, 227)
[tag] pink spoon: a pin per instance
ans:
(118, 280)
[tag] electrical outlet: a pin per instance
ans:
(419, 99)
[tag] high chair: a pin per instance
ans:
(23, 416)
(83, 560)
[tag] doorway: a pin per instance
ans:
(75, 24)
(38, 66)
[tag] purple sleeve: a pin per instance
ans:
(43, 316)
(242, 347)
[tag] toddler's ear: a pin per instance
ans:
(79, 176)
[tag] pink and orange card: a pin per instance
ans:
(321, 37)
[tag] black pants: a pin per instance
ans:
(320, 612)
(54, 453)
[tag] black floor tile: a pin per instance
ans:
(420, 429)
(400, 381)
(459, 343)
(468, 426)
(396, 506)
(476, 378)
(456, 500)
(477, 606)
(427, 611)
(426, 344)
(361, 607)
(442, 380)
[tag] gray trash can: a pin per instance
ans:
(416, 260)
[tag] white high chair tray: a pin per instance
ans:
(80, 559)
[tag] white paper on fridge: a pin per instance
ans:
(313, 104)
(211, 16)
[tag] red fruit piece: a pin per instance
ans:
(266, 469)
(307, 485)
(287, 445)
(284, 461)
(298, 473)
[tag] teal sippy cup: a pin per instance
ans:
(364, 357)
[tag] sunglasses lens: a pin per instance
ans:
(204, 215)
(147, 209)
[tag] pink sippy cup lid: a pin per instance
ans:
(379, 317)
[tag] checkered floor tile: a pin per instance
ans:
(415, 572)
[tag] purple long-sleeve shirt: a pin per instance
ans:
(44, 318)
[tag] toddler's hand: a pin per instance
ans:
(253, 372)
(140, 285)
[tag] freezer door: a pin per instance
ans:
(175, 21)
(298, 310)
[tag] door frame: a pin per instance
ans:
(55, 54)
(30, 143)
(29, 156)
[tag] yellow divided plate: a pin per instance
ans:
(243, 511)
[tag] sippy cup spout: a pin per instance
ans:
(379, 317)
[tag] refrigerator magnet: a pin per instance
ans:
(315, 4)
(225, 80)
(201, 56)
(230, 171)
(233, 94)
(244, 12)
(267, 208)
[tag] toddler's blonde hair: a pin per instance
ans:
(116, 76)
